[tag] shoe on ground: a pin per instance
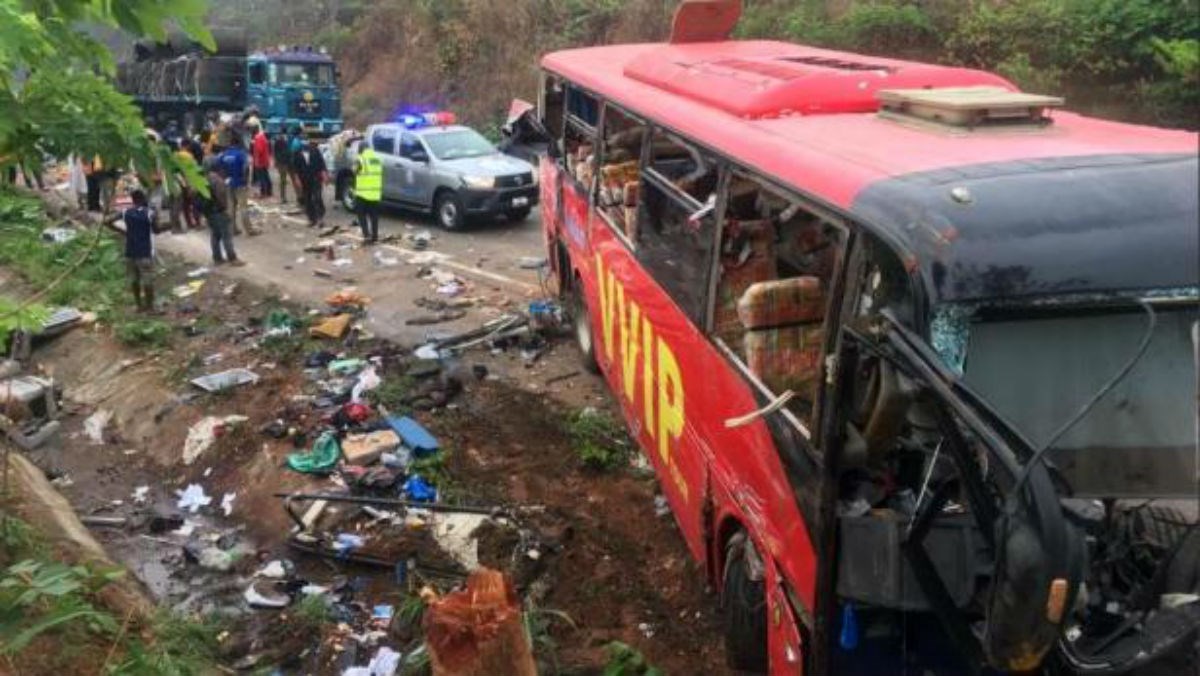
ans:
(238, 263)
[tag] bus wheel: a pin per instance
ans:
(744, 608)
(581, 324)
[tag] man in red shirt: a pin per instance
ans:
(260, 161)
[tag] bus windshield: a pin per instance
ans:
(1037, 372)
(311, 74)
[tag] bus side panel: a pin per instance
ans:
(647, 349)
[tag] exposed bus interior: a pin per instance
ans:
(911, 470)
(620, 172)
(777, 262)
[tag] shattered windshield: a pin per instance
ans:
(311, 74)
(453, 145)
(1039, 369)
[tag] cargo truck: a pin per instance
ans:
(289, 86)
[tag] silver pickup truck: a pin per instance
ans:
(450, 170)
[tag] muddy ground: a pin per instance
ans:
(604, 559)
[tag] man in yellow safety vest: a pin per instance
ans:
(368, 191)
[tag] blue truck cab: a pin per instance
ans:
(295, 87)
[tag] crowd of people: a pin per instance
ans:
(234, 157)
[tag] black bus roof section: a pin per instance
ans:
(1044, 227)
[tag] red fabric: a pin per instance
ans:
(260, 151)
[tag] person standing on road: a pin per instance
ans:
(260, 155)
(311, 171)
(235, 165)
(368, 191)
(140, 226)
(283, 163)
(216, 211)
(295, 145)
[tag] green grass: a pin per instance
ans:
(42, 596)
(312, 612)
(599, 440)
(98, 284)
(393, 393)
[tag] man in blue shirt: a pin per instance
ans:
(235, 165)
(140, 225)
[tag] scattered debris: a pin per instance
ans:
(227, 503)
(419, 490)
(109, 521)
(256, 599)
(414, 436)
(348, 298)
(531, 263)
(479, 629)
(59, 235)
(225, 380)
(332, 327)
(321, 459)
(204, 432)
(439, 318)
(141, 494)
(94, 425)
(188, 290)
(455, 533)
(367, 449)
(192, 498)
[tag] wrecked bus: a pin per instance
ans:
(913, 353)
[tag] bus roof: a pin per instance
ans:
(739, 98)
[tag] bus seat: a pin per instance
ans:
(783, 322)
(738, 275)
(781, 302)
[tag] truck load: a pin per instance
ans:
(178, 80)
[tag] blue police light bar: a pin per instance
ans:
(414, 120)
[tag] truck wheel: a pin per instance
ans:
(743, 612)
(448, 210)
(581, 325)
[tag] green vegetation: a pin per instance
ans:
(55, 92)
(1127, 59)
(539, 625)
(89, 271)
(1137, 59)
(599, 439)
(313, 612)
(41, 597)
(625, 660)
(393, 393)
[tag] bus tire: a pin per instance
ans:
(581, 326)
(743, 612)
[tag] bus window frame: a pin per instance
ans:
(600, 156)
(831, 325)
(685, 199)
(556, 128)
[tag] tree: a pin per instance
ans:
(56, 94)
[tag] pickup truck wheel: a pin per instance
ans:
(581, 325)
(348, 198)
(449, 210)
(743, 613)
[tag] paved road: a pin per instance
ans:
(486, 257)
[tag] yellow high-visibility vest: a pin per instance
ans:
(368, 184)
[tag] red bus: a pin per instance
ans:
(912, 352)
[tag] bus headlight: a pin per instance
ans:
(479, 182)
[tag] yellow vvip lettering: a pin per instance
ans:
(623, 321)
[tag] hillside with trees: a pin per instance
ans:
(1135, 60)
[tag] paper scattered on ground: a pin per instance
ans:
(95, 424)
(192, 498)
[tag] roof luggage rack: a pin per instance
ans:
(969, 107)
